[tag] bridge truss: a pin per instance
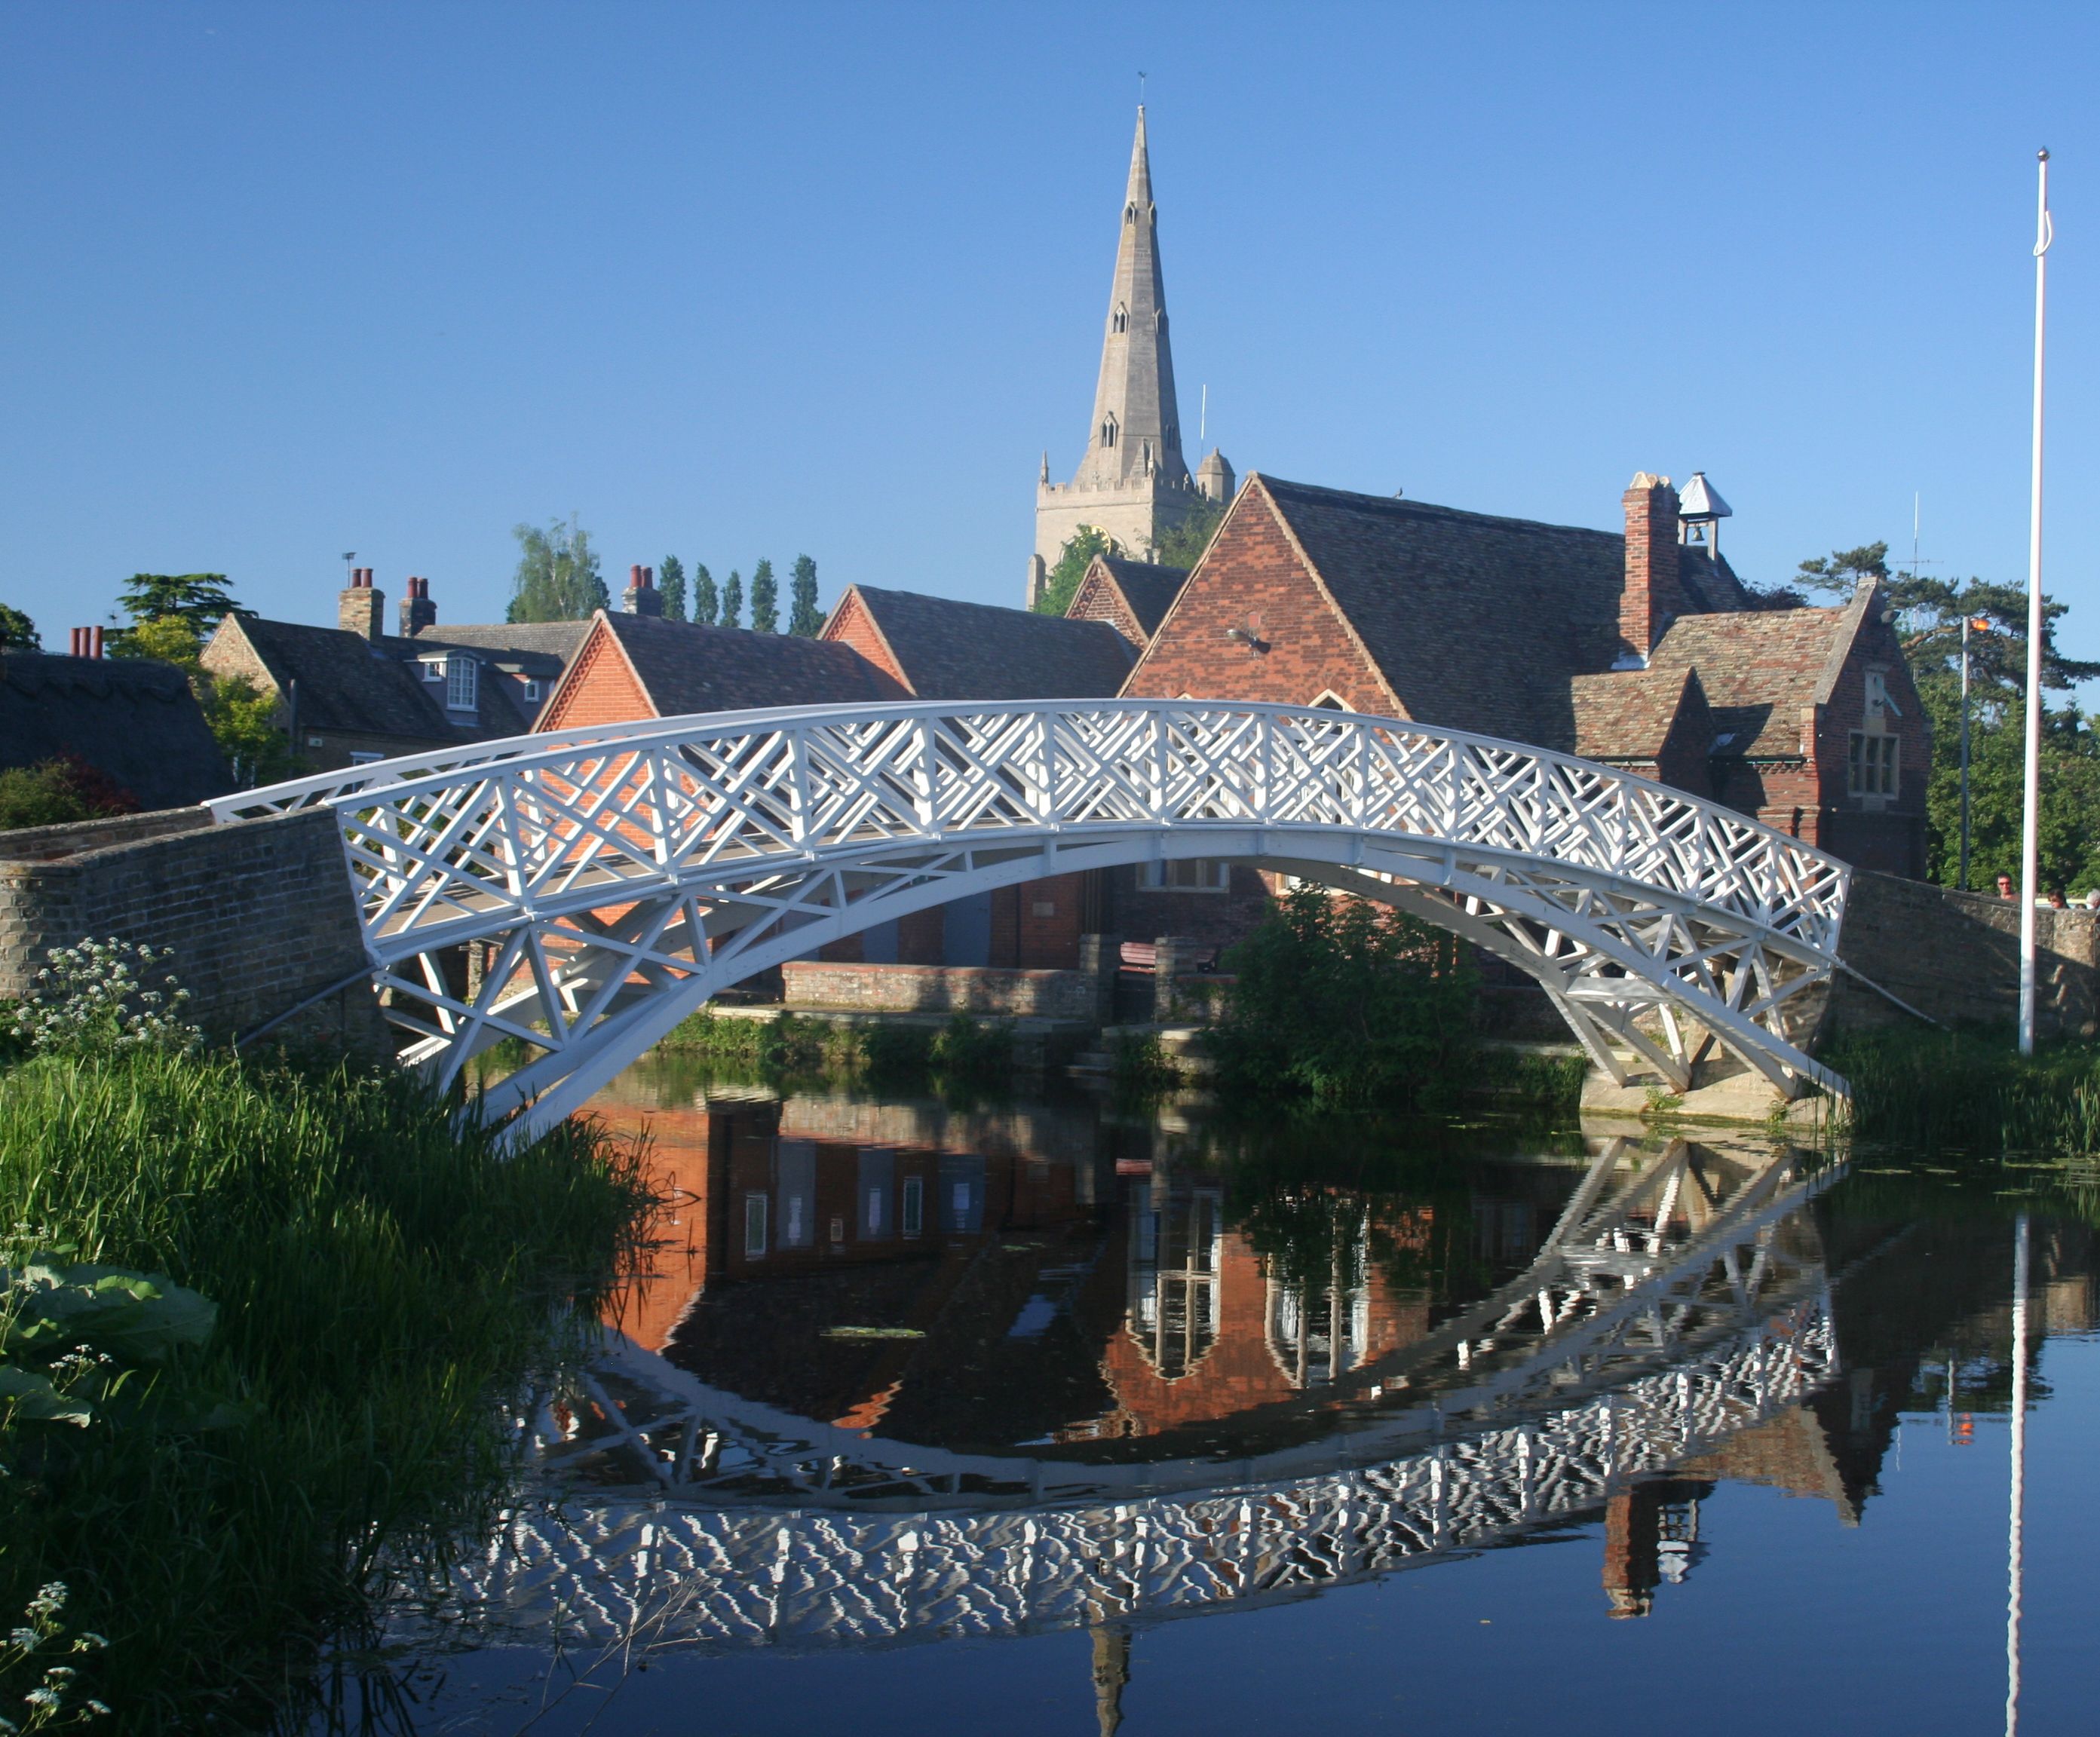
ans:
(614, 878)
(1654, 1325)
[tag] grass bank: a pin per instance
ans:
(381, 1278)
(963, 1052)
(1936, 1090)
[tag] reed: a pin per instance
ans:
(1969, 1092)
(384, 1277)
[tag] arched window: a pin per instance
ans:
(1109, 432)
(1122, 320)
(1159, 322)
(1130, 211)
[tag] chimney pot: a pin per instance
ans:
(642, 597)
(360, 608)
(95, 642)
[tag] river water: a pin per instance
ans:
(933, 1417)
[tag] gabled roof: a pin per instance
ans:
(684, 667)
(347, 683)
(1628, 714)
(134, 720)
(519, 641)
(1762, 669)
(1531, 605)
(1146, 589)
(942, 648)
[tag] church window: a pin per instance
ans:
(1122, 318)
(1130, 211)
(1159, 322)
(1109, 432)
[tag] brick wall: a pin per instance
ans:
(259, 913)
(852, 625)
(941, 989)
(1955, 957)
(1253, 573)
(600, 688)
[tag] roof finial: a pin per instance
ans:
(1141, 95)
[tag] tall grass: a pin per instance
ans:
(1939, 1090)
(382, 1276)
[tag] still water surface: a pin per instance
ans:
(1025, 1419)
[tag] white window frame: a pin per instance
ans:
(1214, 874)
(755, 1215)
(1871, 774)
(462, 682)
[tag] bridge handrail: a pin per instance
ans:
(1809, 881)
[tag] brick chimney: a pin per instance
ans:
(642, 597)
(1653, 596)
(360, 608)
(417, 610)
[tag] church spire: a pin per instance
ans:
(1137, 433)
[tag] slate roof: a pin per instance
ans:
(685, 667)
(347, 683)
(951, 650)
(134, 720)
(1148, 588)
(1761, 669)
(1629, 714)
(522, 641)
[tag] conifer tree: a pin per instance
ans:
(733, 600)
(671, 582)
(765, 599)
(805, 620)
(707, 601)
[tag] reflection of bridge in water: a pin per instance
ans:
(1679, 1301)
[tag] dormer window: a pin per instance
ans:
(434, 669)
(1121, 318)
(463, 683)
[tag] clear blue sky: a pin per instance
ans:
(280, 281)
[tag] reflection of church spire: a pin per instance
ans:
(1111, 1674)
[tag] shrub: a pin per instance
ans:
(1346, 1002)
(60, 791)
(92, 999)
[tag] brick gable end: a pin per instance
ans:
(1253, 574)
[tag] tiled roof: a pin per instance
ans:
(1761, 669)
(1148, 587)
(685, 667)
(1476, 622)
(557, 640)
(134, 720)
(1628, 714)
(345, 682)
(951, 650)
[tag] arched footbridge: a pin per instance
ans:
(619, 877)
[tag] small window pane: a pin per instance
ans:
(911, 1210)
(461, 688)
(754, 1226)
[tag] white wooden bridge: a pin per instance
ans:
(622, 875)
(1675, 1304)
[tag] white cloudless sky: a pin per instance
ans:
(280, 282)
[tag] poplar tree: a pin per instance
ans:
(805, 620)
(671, 582)
(765, 599)
(733, 600)
(706, 602)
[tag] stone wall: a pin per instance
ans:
(940, 989)
(1955, 956)
(259, 915)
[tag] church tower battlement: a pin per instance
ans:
(1133, 483)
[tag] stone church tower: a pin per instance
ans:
(1133, 482)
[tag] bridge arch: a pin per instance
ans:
(621, 875)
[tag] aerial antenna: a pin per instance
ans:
(349, 555)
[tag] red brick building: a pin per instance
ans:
(1637, 650)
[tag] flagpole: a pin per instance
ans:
(2031, 793)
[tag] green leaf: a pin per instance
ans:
(29, 1397)
(136, 1317)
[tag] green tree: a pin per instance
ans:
(765, 599)
(1063, 583)
(805, 620)
(1929, 613)
(242, 717)
(707, 603)
(18, 632)
(200, 600)
(732, 609)
(1183, 545)
(558, 577)
(1345, 1001)
(671, 582)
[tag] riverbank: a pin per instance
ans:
(382, 1278)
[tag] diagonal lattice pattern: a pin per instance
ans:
(614, 878)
